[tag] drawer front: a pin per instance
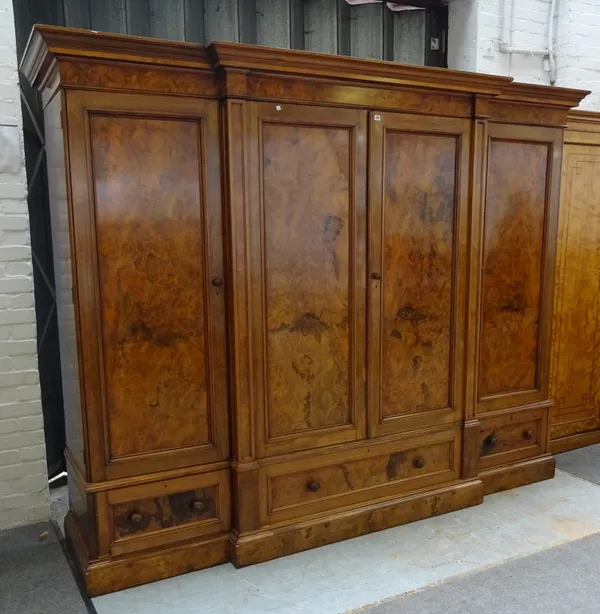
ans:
(165, 512)
(507, 438)
(307, 486)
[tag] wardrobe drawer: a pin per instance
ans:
(322, 482)
(511, 437)
(164, 512)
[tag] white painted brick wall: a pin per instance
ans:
(23, 477)
(475, 34)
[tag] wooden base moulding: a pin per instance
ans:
(572, 442)
(518, 474)
(108, 575)
(117, 573)
(272, 543)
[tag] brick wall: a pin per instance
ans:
(23, 478)
(475, 34)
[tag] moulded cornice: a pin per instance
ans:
(545, 94)
(291, 62)
(48, 43)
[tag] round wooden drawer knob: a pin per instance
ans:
(528, 435)
(217, 281)
(418, 462)
(199, 506)
(313, 486)
(135, 518)
(491, 440)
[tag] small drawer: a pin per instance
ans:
(154, 514)
(511, 437)
(311, 485)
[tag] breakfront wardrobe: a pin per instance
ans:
(301, 297)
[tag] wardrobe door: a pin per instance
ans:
(307, 233)
(146, 209)
(574, 380)
(417, 282)
(517, 267)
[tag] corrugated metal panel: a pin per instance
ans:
(109, 15)
(321, 26)
(297, 24)
(167, 19)
(138, 17)
(221, 20)
(273, 23)
(409, 36)
(77, 14)
(366, 31)
(326, 26)
(246, 21)
(194, 21)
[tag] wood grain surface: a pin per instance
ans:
(574, 382)
(307, 233)
(512, 266)
(151, 254)
(418, 228)
(361, 474)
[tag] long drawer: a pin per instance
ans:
(511, 437)
(311, 485)
(153, 514)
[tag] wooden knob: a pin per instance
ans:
(199, 506)
(491, 440)
(217, 281)
(528, 434)
(313, 486)
(135, 518)
(418, 462)
(376, 276)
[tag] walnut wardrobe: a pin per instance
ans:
(301, 297)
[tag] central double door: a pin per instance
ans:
(358, 225)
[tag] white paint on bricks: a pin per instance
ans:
(23, 477)
(475, 36)
(10, 147)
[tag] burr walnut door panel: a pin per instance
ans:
(574, 380)
(417, 282)
(307, 230)
(147, 227)
(518, 254)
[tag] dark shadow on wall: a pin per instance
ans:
(28, 12)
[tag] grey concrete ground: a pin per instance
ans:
(562, 580)
(35, 577)
(584, 463)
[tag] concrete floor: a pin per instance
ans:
(35, 577)
(562, 580)
(374, 568)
